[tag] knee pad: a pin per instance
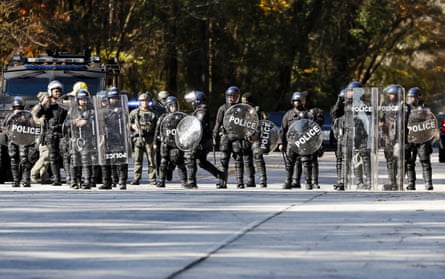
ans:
(237, 146)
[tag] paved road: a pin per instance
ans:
(145, 232)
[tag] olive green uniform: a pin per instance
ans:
(145, 120)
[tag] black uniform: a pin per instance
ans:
(229, 144)
(115, 142)
(391, 133)
(169, 152)
(351, 135)
(54, 117)
(421, 150)
(253, 152)
(202, 150)
(292, 157)
(20, 158)
(83, 139)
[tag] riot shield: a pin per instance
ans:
(112, 130)
(21, 128)
(240, 121)
(304, 136)
(168, 127)
(422, 125)
(269, 134)
(391, 140)
(358, 143)
(188, 133)
(83, 134)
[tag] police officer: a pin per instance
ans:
(54, 116)
(115, 140)
(165, 141)
(143, 125)
(18, 153)
(318, 117)
(297, 113)
(252, 148)
(229, 144)
(197, 99)
(83, 140)
(423, 150)
(40, 169)
(159, 107)
(390, 132)
(351, 135)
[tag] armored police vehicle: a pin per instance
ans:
(27, 76)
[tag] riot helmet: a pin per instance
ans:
(113, 96)
(144, 100)
(79, 85)
(413, 96)
(414, 92)
(393, 89)
(195, 97)
(350, 89)
(112, 92)
(82, 94)
(55, 84)
(102, 97)
(162, 96)
(18, 103)
(394, 92)
(354, 84)
(232, 95)
(171, 104)
(299, 98)
(144, 97)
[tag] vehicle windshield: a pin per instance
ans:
(30, 86)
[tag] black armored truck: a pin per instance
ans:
(27, 76)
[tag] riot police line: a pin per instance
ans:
(98, 135)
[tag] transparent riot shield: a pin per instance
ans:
(21, 128)
(168, 127)
(358, 143)
(83, 133)
(112, 130)
(422, 126)
(391, 140)
(188, 133)
(304, 136)
(240, 121)
(269, 134)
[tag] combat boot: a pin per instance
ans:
(251, 182)
(135, 182)
(222, 183)
(105, 187)
(160, 183)
(339, 187)
(411, 186)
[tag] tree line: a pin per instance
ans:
(267, 47)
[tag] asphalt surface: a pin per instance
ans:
(147, 232)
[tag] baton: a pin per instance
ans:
(284, 158)
(214, 155)
(214, 151)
